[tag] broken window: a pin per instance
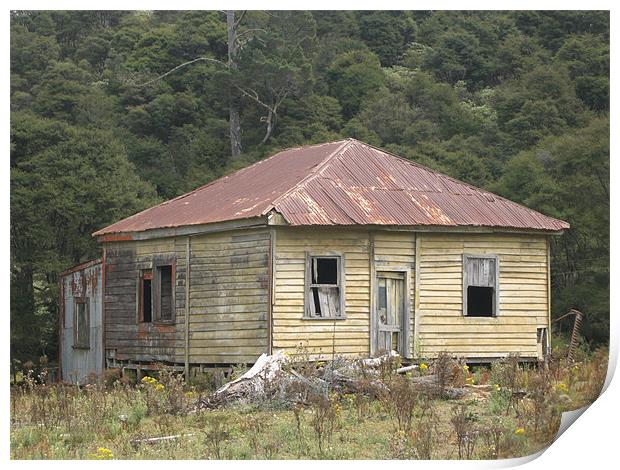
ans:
(480, 285)
(146, 309)
(81, 325)
(324, 296)
(163, 294)
(156, 299)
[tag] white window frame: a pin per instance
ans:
(308, 285)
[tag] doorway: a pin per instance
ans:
(391, 318)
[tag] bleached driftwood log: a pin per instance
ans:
(156, 440)
(274, 377)
(252, 384)
(377, 361)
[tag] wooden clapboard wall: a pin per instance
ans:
(523, 305)
(125, 337)
(321, 337)
(229, 296)
(229, 283)
(324, 337)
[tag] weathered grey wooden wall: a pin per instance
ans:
(128, 339)
(83, 285)
(229, 285)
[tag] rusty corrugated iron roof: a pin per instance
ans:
(339, 183)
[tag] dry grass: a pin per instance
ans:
(111, 418)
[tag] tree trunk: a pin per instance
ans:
(234, 120)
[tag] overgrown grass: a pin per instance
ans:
(515, 414)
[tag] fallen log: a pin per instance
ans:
(156, 440)
(403, 370)
(274, 377)
(377, 361)
(251, 385)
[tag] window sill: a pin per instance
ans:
(324, 318)
(84, 348)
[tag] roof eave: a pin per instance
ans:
(183, 230)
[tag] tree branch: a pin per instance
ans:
(181, 66)
(253, 96)
(238, 21)
(250, 31)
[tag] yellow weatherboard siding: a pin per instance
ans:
(523, 305)
(324, 337)
(229, 280)
(321, 336)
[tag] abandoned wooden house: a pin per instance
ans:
(340, 248)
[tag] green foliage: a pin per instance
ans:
(66, 182)
(512, 101)
(352, 77)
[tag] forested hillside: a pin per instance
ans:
(515, 102)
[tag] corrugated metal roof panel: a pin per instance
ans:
(340, 183)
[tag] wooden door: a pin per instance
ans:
(390, 316)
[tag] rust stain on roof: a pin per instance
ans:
(345, 182)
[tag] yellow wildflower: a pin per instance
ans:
(520, 431)
(469, 380)
(561, 387)
(423, 366)
(190, 394)
(159, 387)
(465, 367)
(103, 454)
(497, 387)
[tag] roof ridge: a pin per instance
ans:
(313, 174)
(451, 178)
(200, 188)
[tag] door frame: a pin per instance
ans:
(407, 325)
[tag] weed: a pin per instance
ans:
(399, 400)
(463, 422)
(217, 433)
(325, 412)
(253, 427)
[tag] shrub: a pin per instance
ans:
(463, 423)
(399, 400)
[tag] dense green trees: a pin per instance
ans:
(516, 102)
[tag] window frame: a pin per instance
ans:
(340, 285)
(156, 290)
(154, 267)
(467, 283)
(148, 275)
(76, 340)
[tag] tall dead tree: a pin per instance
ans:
(276, 82)
(233, 109)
